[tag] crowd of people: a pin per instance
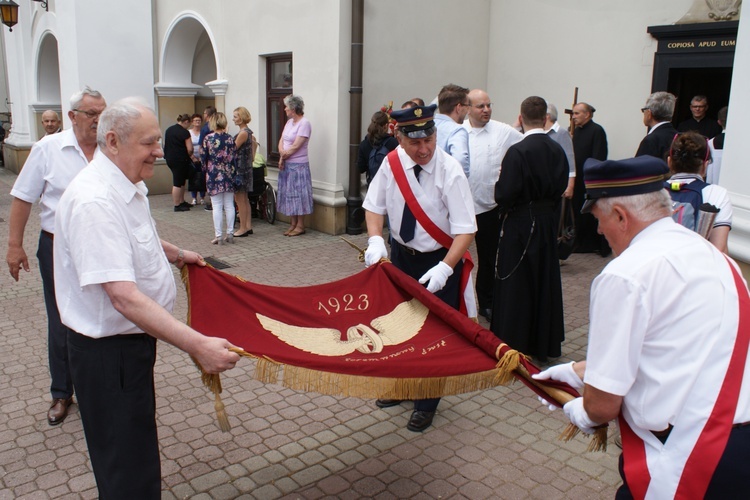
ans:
(206, 160)
(667, 338)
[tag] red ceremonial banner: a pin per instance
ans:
(376, 334)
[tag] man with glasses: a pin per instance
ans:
(453, 106)
(53, 162)
(657, 116)
(488, 141)
(699, 122)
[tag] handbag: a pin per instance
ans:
(566, 233)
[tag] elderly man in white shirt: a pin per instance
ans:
(115, 292)
(488, 141)
(51, 165)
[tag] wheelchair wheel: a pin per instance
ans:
(270, 205)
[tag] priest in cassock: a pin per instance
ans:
(527, 309)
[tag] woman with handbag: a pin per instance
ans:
(217, 159)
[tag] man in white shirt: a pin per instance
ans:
(453, 106)
(53, 162)
(439, 187)
(668, 344)
(488, 141)
(51, 122)
(115, 292)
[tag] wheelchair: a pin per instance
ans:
(262, 198)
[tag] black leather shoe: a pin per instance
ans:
(387, 403)
(420, 420)
(180, 208)
(486, 312)
(59, 410)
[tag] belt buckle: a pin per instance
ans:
(410, 251)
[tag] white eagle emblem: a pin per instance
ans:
(398, 326)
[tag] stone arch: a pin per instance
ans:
(48, 71)
(189, 55)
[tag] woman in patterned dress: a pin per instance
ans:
(217, 159)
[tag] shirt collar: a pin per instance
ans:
(656, 126)
(533, 131)
(117, 179)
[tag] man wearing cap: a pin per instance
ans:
(434, 182)
(668, 344)
(589, 141)
(527, 308)
(657, 116)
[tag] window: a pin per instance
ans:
(278, 86)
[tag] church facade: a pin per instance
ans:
(347, 58)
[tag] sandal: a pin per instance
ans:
(297, 232)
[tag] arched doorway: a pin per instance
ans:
(47, 83)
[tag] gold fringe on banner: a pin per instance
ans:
(298, 378)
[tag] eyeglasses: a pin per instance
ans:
(88, 113)
(643, 110)
(483, 106)
(465, 104)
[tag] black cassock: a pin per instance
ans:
(527, 308)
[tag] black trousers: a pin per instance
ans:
(61, 385)
(114, 380)
(415, 266)
(729, 481)
(488, 231)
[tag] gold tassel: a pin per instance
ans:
(221, 414)
(569, 433)
(506, 365)
(598, 438)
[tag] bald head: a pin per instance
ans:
(50, 121)
(480, 111)
(582, 114)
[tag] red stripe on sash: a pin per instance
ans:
(634, 462)
(424, 220)
(704, 458)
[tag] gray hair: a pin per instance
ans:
(120, 118)
(77, 98)
(647, 207)
(295, 103)
(552, 112)
(661, 105)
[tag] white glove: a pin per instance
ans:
(437, 277)
(578, 416)
(375, 250)
(547, 403)
(561, 373)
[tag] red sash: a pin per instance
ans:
(424, 220)
(703, 460)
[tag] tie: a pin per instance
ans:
(408, 222)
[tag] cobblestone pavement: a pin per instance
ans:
(498, 443)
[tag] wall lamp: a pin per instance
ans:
(9, 13)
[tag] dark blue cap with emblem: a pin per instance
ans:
(610, 178)
(416, 122)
